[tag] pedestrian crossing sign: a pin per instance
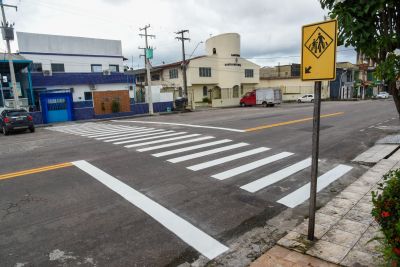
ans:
(318, 51)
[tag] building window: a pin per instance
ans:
(235, 92)
(140, 79)
(205, 72)
(214, 51)
(205, 91)
(57, 67)
(241, 89)
(37, 67)
(96, 68)
(155, 77)
(88, 96)
(248, 73)
(173, 74)
(114, 68)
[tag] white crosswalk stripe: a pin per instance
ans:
(107, 131)
(127, 136)
(96, 135)
(303, 193)
(219, 161)
(276, 176)
(207, 152)
(99, 128)
(163, 140)
(175, 143)
(250, 166)
(138, 138)
(97, 131)
(189, 148)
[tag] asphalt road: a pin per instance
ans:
(125, 206)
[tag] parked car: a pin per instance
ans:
(382, 95)
(309, 98)
(15, 119)
(268, 97)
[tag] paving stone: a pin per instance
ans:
(306, 260)
(328, 251)
(375, 154)
(354, 197)
(342, 238)
(367, 242)
(319, 230)
(325, 220)
(358, 189)
(295, 241)
(341, 203)
(279, 251)
(358, 216)
(359, 258)
(351, 227)
(331, 210)
(363, 207)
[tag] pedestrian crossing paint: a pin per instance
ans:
(108, 132)
(175, 143)
(276, 176)
(163, 140)
(115, 135)
(303, 193)
(134, 140)
(250, 166)
(207, 152)
(190, 148)
(141, 134)
(95, 135)
(219, 161)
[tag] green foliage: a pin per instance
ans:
(389, 69)
(206, 100)
(115, 106)
(386, 212)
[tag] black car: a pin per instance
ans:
(15, 119)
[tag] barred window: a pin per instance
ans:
(248, 73)
(205, 72)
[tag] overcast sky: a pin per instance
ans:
(270, 30)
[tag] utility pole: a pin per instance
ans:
(8, 35)
(148, 93)
(144, 76)
(182, 38)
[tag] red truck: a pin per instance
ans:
(262, 96)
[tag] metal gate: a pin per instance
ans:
(56, 107)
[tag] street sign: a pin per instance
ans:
(318, 51)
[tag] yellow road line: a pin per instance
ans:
(290, 122)
(36, 170)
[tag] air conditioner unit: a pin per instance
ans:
(106, 72)
(47, 73)
(92, 87)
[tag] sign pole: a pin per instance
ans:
(314, 161)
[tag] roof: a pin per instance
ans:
(39, 80)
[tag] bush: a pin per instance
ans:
(115, 106)
(386, 212)
(206, 100)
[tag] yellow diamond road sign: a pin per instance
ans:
(318, 51)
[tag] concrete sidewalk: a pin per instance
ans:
(344, 229)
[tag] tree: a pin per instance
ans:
(373, 28)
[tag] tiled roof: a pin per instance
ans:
(38, 79)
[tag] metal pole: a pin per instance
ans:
(10, 63)
(314, 161)
(149, 97)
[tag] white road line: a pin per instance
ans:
(250, 166)
(114, 133)
(110, 131)
(303, 193)
(362, 130)
(379, 123)
(276, 176)
(118, 136)
(190, 234)
(187, 125)
(175, 144)
(138, 138)
(386, 120)
(207, 152)
(163, 140)
(189, 148)
(96, 130)
(215, 162)
(372, 126)
(156, 134)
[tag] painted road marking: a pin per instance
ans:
(233, 157)
(250, 166)
(138, 138)
(138, 134)
(207, 152)
(303, 193)
(109, 131)
(141, 135)
(116, 133)
(127, 134)
(35, 170)
(91, 129)
(175, 143)
(94, 132)
(187, 125)
(276, 176)
(263, 127)
(190, 148)
(163, 140)
(362, 130)
(190, 234)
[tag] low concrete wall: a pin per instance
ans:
(231, 102)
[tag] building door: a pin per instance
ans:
(56, 107)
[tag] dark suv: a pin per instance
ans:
(15, 119)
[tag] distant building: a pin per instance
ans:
(343, 86)
(219, 78)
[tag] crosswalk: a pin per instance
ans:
(221, 159)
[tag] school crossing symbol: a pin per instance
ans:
(318, 51)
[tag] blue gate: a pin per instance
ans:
(56, 107)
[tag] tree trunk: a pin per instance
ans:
(395, 93)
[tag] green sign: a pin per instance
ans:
(149, 53)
